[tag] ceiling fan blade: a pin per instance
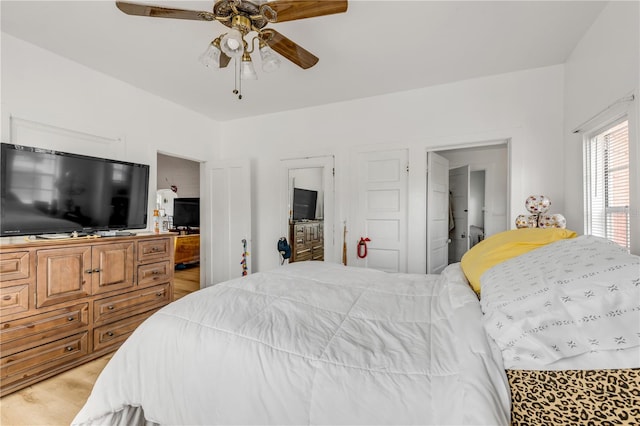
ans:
(163, 12)
(289, 10)
(290, 50)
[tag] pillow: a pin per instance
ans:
(506, 245)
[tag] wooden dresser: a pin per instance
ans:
(307, 240)
(63, 303)
(187, 249)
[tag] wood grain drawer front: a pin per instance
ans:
(15, 299)
(42, 359)
(303, 254)
(317, 252)
(63, 274)
(127, 304)
(117, 333)
(113, 267)
(14, 266)
(155, 249)
(23, 333)
(154, 273)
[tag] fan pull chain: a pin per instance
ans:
(237, 90)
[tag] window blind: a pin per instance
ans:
(607, 183)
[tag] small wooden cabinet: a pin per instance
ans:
(187, 249)
(63, 303)
(307, 240)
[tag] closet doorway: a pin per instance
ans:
(179, 178)
(478, 188)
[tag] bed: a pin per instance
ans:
(321, 343)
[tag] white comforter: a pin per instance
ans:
(309, 343)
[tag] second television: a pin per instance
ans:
(304, 204)
(186, 213)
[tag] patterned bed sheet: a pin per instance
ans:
(568, 300)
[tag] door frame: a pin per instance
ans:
(507, 142)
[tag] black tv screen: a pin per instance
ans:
(186, 212)
(304, 204)
(44, 191)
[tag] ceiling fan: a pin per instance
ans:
(243, 17)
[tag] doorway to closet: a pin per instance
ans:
(469, 204)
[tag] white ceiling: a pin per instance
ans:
(376, 47)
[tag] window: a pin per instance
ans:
(606, 165)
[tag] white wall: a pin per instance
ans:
(523, 107)
(592, 84)
(42, 87)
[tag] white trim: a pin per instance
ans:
(619, 107)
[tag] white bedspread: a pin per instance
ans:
(310, 343)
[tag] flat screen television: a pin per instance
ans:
(186, 213)
(44, 191)
(304, 204)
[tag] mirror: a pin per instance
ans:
(307, 204)
(306, 214)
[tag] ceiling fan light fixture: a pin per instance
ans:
(270, 61)
(232, 44)
(247, 70)
(210, 58)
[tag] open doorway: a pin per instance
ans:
(478, 188)
(177, 201)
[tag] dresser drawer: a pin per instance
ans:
(14, 265)
(123, 305)
(303, 254)
(26, 332)
(42, 359)
(14, 299)
(155, 249)
(154, 273)
(116, 333)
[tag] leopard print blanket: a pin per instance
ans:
(575, 397)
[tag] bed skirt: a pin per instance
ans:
(569, 397)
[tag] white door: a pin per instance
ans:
(230, 185)
(437, 213)
(382, 210)
(459, 186)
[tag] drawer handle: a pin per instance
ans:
(304, 251)
(7, 297)
(110, 334)
(160, 293)
(30, 326)
(155, 272)
(69, 348)
(110, 307)
(88, 271)
(97, 270)
(70, 318)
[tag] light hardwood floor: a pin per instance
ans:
(56, 401)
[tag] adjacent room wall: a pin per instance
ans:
(604, 67)
(523, 107)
